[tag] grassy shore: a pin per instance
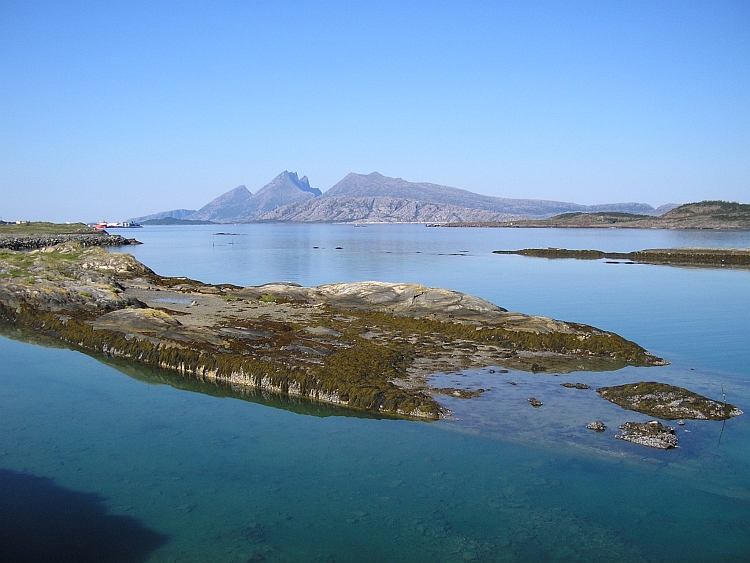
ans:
(44, 229)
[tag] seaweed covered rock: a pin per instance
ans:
(667, 401)
(364, 345)
(652, 434)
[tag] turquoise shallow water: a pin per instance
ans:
(199, 474)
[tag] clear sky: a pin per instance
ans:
(112, 110)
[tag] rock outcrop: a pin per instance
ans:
(652, 434)
(94, 239)
(366, 345)
(667, 401)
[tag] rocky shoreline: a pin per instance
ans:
(367, 345)
(35, 242)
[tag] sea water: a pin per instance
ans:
(106, 462)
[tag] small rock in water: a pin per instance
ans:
(535, 402)
(575, 385)
(596, 426)
(512, 383)
(681, 422)
(652, 434)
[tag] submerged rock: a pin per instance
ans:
(651, 434)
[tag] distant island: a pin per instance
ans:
(688, 256)
(704, 215)
(173, 221)
(374, 198)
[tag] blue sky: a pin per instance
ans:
(112, 110)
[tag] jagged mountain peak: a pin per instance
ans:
(240, 204)
(289, 180)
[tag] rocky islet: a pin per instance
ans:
(366, 345)
(652, 434)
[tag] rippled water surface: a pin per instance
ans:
(103, 462)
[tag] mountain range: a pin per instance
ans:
(375, 198)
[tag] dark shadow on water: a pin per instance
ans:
(40, 521)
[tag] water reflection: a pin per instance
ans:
(299, 405)
(157, 376)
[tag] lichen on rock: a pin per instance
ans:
(652, 434)
(667, 401)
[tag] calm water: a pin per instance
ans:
(103, 463)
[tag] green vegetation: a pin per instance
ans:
(716, 207)
(54, 263)
(39, 228)
(587, 341)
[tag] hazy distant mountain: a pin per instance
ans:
(377, 198)
(382, 209)
(662, 209)
(225, 208)
(374, 185)
(174, 214)
(173, 221)
(286, 188)
(240, 204)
